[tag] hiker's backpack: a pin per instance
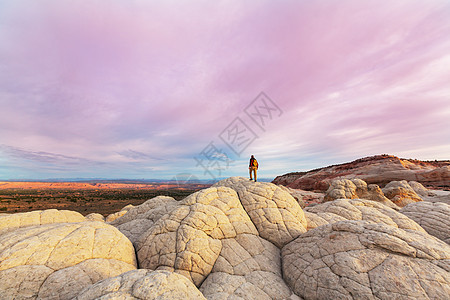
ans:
(255, 163)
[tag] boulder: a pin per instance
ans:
(420, 189)
(433, 217)
(401, 193)
(275, 213)
(139, 219)
(142, 284)
(187, 240)
(95, 217)
(58, 260)
(118, 214)
(356, 189)
(363, 260)
(38, 217)
(358, 209)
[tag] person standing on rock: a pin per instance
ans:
(253, 166)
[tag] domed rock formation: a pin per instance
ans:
(95, 217)
(401, 193)
(38, 217)
(143, 284)
(433, 217)
(188, 239)
(58, 260)
(356, 189)
(110, 218)
(210, 238)
(357, 209)
(275, 213)
(139, 219)
(420, 189)
(363, 260)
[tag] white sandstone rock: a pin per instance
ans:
(358, 209)
(362, 260)
(433, 217)
(95, 217)
(188, 239)
(140, 218)
(58, 260)
(142, 284)
(38, 217)
(275, 213)
(110, 218)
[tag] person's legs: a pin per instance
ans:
(255, 173)
(250, 171)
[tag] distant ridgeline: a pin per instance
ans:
(379, 169)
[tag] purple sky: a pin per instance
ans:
(137, 89)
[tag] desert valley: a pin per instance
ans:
(86, 197)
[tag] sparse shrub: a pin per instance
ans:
(3, 208)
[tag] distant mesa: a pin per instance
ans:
(379, 169)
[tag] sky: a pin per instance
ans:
(154, 89)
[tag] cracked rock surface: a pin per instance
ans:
(142, 284)
(363, 260)
(357, 209)
(188, 239)
(248, 267)
(58, 260)
(139, 219)
(433, 217)
(254, 285)
(38, 217)
(275, 213)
